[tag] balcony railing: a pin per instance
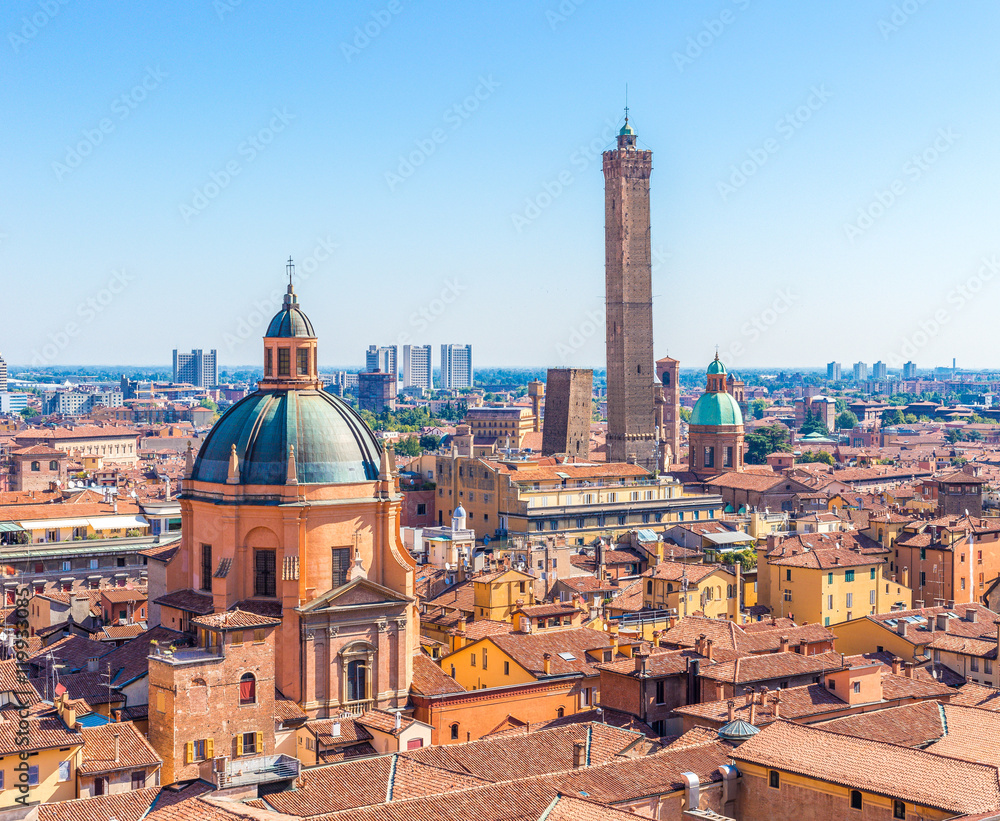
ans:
(265, 769)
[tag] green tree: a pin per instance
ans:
(841, 404)
(893, 416)
(952, 435)
(29, 413)
(813, 424)
(846, 420)
(686, 414)
(409, 446)
(747, 558)
(817, 456)
(765, 441)
(430, 441)
(757, 408)
(910, 418)
(210, 404)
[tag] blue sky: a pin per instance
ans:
(436, 168)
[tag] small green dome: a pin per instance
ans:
(716, 366)
(626, 129)
(716, 409)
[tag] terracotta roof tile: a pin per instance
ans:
(134, 752)
(897, 772)
(126, 806)
(431, 680)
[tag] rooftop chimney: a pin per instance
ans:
(117, 747)
(942, 622)
(901, 626)
(92, 665)
(731, 706)
(709, 652)
(777, 705)
(784, 644)
(720, 692)
(971, 615)
(547, 664)
(897, 665)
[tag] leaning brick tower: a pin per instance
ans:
(632, 384)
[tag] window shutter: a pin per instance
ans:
(239, 744)
(189, 752)
(209, 748)
(260, 743)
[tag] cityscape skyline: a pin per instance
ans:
(855, 162)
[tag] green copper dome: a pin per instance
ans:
(626, 129)
(716, 366)
(716, 409)
(333, 445)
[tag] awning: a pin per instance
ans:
(728, 538)
(10, 527)
(53, 524)
(114, 522)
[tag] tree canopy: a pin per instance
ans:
(765, 441)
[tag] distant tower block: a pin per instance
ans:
(568, 410)
(536, 390)
(668, 371)
(629, 297)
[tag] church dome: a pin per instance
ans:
(716, 367)
(716, 409)
(289, 322)
(332, 443)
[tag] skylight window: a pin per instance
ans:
(567, 656)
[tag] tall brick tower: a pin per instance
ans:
(629, 296)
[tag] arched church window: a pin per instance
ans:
(454, 732)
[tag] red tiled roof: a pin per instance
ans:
(897, 772)
(431, 680)
(134, 752)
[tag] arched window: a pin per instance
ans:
(454, 732)
(36, 466)
(248, 689)
(53, 465)
(560, 712)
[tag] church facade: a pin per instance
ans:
(291, 512)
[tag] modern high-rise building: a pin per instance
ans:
(3, 375)
(910, 370)
(385, 360)
(417, 369)
(198, 368)
(832, 371)
(567, 412)
(879, 370)
(629, 301)
(860, 372)
(456, 366)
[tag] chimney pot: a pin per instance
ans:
(731, 707)
(971, 615)
(547, 664)
(117, 747)
(897, 665)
